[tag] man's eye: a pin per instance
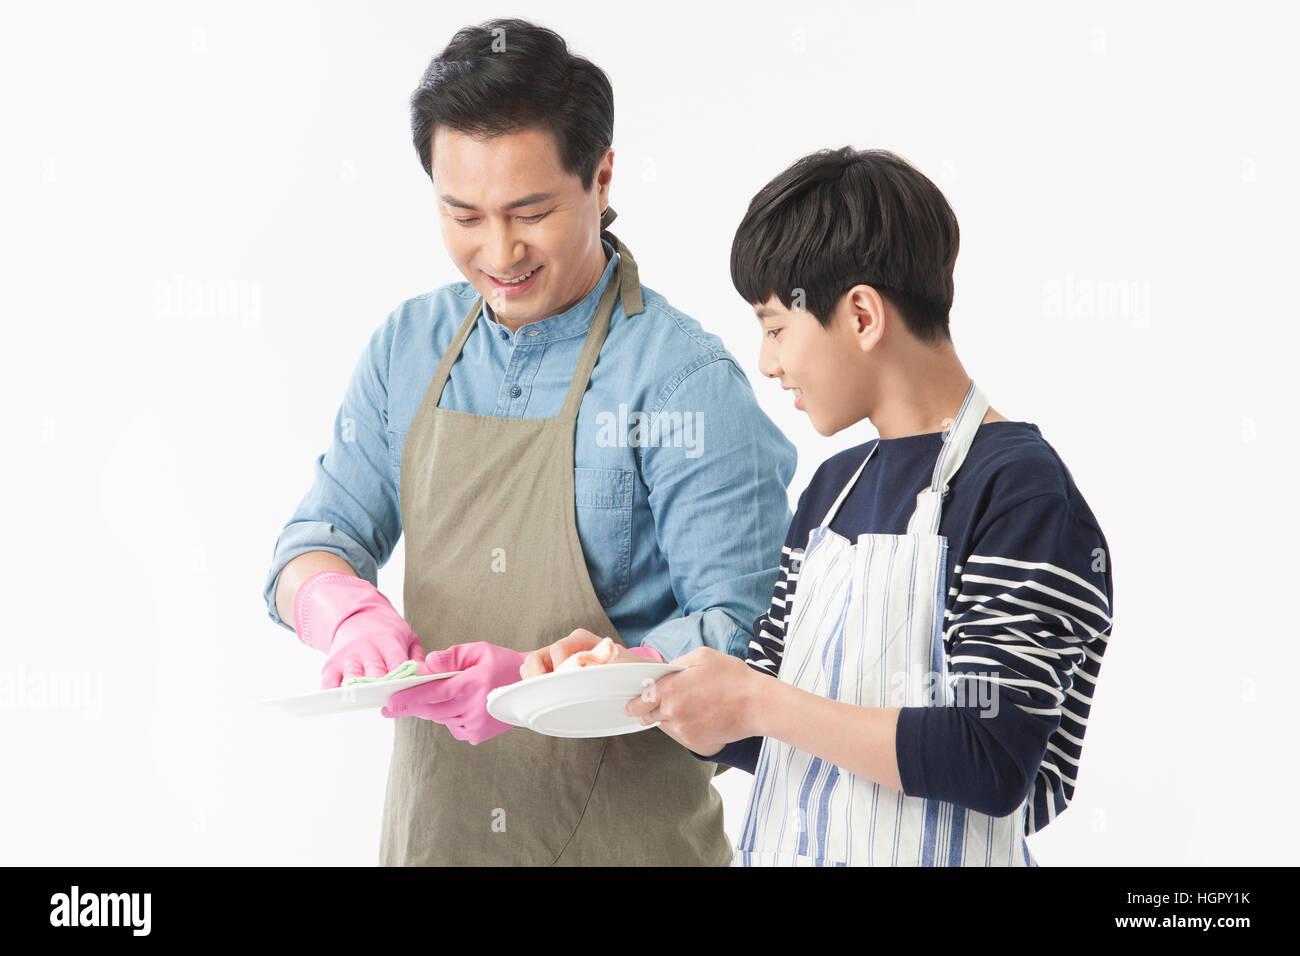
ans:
(531, 218)
(467, 222)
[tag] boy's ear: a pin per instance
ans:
(867, 313)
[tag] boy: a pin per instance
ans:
(918, 692)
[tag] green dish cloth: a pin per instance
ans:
(405, 669)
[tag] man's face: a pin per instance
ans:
(822, 366)
(508, 209)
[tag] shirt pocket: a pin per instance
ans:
(603, 507)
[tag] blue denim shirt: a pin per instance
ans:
(679, 477)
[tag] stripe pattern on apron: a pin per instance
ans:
(866, 628)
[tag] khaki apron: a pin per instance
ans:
(477, 490)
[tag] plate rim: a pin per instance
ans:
(511, 715)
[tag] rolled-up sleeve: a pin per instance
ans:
(719, 503)
(352, 509)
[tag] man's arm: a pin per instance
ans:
(350, 519)
(719, 505)
(299, 570)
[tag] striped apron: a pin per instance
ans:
(866, 627)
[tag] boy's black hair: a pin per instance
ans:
(838, 218)
(507, 75)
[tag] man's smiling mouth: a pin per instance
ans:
(515, 280)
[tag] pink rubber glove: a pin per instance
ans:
(460, 702)
(347, 619)
(649, 653)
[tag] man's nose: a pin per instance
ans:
(505, 251)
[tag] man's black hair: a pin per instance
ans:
(838, 218)
(507, 75)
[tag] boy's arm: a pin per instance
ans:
(1025, 642)
(1035, 606)
(765, 650)
(860, 740)
(1026, 619)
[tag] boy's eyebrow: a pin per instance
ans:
(761, 312)
(528, 200)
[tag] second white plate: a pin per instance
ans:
(587, 702)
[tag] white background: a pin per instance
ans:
(156, 444)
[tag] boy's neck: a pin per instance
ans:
(922, 392)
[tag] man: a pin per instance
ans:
(564, 451)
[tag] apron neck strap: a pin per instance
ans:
(844, 492)
(956, 443)
(591, 347)
(625, 285)
(453, 351)
(629, 276)
(929, 502)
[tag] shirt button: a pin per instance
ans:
(515, 391)
(532, 331)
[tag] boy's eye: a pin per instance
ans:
(772, 332)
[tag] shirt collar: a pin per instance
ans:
(575, 320)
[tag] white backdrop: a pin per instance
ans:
(207, 208)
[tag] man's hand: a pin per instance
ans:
(354, 625)
(460, 702)
(544, 660)
(710, 704)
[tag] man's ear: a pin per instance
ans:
(604, 174)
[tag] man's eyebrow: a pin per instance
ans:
(528, 200)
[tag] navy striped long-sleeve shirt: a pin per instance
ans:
(1028, 614)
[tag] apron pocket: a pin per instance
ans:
(603, 500)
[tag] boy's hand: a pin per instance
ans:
(708, 705)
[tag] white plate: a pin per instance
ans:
(587, 702)
(336, 700)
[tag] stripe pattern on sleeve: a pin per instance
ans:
(767, 644)
(1037, 632)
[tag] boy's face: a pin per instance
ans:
(823, 366)
(508, 208)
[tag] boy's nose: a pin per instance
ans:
(768, 364)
